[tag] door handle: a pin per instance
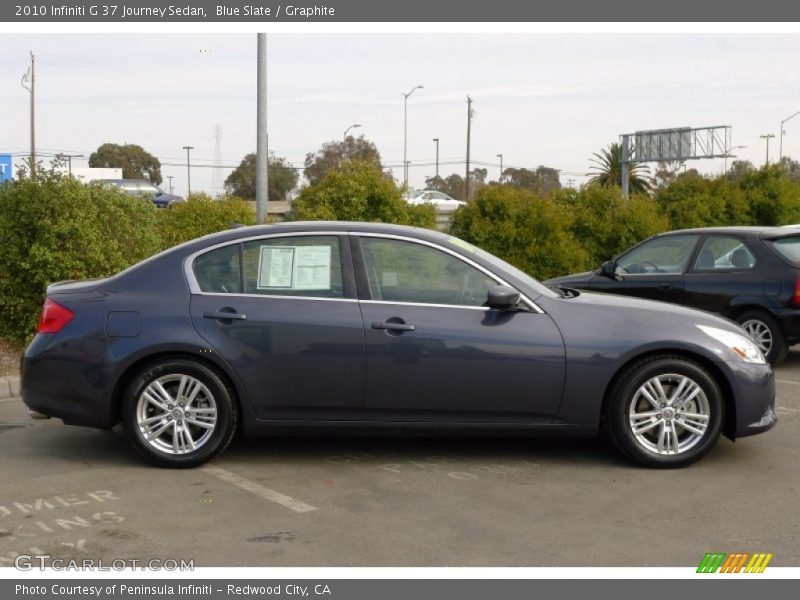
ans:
(665, 286)
(389, 325)
(224, 315)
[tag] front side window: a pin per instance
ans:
(293, 266)
(399, 271)
(669, 254)
(724, 253)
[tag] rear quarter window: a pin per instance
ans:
(788, 248)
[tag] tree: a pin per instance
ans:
(282, 178)
(739, 168)
(791, 167)
(542, 180)
(608, 169)
(135, 161)
(666, 172)
(359, 191)
(333, 154)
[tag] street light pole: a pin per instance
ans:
(726, 157)
(170, 184)
(780, 152)
(437, 156)
(30, 78)
(500, 156)
(262, 136)
(188, 170)
(353, 126)
(405, 131)
(767, 136)
(469, 134)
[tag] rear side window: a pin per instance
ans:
(724, 253)
(293, 266)
(788, 248)
(219, 271)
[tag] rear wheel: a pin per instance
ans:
(178, 413)
(765, 331)
(665, 412)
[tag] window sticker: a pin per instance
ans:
(294, 268)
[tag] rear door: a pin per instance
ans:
(434, 352)
(654, 270)
(282, 311)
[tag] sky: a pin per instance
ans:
(539, 99)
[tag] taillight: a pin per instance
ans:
(797, 291)
(54, 317)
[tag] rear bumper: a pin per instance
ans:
(70, 390)
(753, 389)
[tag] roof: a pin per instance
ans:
(760, 230)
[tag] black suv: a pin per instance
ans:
(748, 274)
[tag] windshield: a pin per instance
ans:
(788, 248)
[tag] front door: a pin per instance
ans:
(282, 312)
(434, 352)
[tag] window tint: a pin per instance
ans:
(219, 271)
(662, 255)
(789, 248)
(293, 266)
(400, 271)
(724, 253)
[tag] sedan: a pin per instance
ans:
(143, 188)
(748, 274)
(371, 327)
(440, 200)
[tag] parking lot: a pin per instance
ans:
(307, 501)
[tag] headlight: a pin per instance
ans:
(743, 347)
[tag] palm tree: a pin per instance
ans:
(608, 170)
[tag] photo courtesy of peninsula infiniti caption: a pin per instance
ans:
(367, 327)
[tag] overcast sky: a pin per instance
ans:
(539, 99)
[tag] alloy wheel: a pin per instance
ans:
(760, 333)
(669, 414)
(176, 414)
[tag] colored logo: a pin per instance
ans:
(739, 562)
(6, 167)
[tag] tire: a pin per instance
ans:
(161, 431)
(757, 322)
(629, 397)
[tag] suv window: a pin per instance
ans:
(399, 271)
(293, 266)
(789, 248)
(724, 253)
(669, 254)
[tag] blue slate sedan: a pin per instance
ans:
(366, 326)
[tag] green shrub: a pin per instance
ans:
(201, 215)
(359, 191)
(530, 232)
(55, 228)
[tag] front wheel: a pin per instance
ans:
(665, 412)
(178, 413)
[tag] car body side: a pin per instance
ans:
(144, 314)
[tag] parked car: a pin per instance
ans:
(439, 199)
(375, 327)
(748, 274)
(142, 187)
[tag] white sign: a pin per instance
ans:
(295, 268)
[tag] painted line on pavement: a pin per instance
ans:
(259, 490)
(787, 381)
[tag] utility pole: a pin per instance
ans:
(69, 158)
(780, 152)
(500, 156)
(170, 183)
(188, 170)
(624, 165)
(437, 156)
(767, 137)
(262, 138)
(30, 79)
(469, 133)
(405, 132)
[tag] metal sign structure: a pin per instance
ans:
(677, 144)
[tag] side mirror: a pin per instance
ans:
(608, 268)
(502, 297)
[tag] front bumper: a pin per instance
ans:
(753, 388)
